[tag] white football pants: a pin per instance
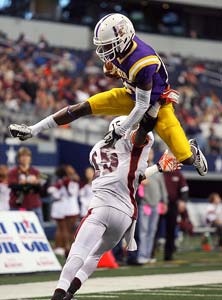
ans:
(100, 232)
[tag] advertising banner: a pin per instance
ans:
(23, 244)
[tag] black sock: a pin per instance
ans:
(74, 286)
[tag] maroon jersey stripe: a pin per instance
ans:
(134, 160)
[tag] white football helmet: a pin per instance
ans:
(112, 36)
(116, 122)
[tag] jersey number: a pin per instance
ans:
(104, 162)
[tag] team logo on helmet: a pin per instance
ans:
(120, 29)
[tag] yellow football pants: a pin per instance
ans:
(118, 102)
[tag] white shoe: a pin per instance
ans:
(200, 162)
(23, 132)
(143, 260)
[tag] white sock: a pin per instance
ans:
(88, 268)
(71, 267)
(44, 124)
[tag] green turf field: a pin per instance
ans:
(194, 260)
(206, 292)
(184, 262)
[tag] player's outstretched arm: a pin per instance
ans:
(140, 136)
(167, 163)
(62, 117)
(143, 94)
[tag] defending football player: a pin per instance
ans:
(113, 210)
(146, 93)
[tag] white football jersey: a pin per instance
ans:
(117, 174)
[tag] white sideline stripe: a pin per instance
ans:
(82, 296)
(113, 284)
(216, 285)
(210, 288)
(181, 295)
(159, 293)
(98, 296)
(164, 291)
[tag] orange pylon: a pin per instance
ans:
(108, 261)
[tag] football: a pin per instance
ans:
(110, 70)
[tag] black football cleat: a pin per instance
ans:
(59, 294)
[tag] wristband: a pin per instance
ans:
(159, 168)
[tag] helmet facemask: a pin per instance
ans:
(108, 51)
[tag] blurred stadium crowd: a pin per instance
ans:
(153, 16)
(38, 79)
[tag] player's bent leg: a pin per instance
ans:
(88, 236)
(143, 234)
(92, 260)
(169, 129)
(82, 275)
(62, 117)
(118, 223)
(72, 112)
(115, 102)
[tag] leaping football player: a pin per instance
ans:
(113, 210)
(146, 95)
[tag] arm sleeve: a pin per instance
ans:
(141, 73)
(142, 104)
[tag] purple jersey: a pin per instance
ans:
(141, 65)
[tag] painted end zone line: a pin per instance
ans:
(113, 284)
